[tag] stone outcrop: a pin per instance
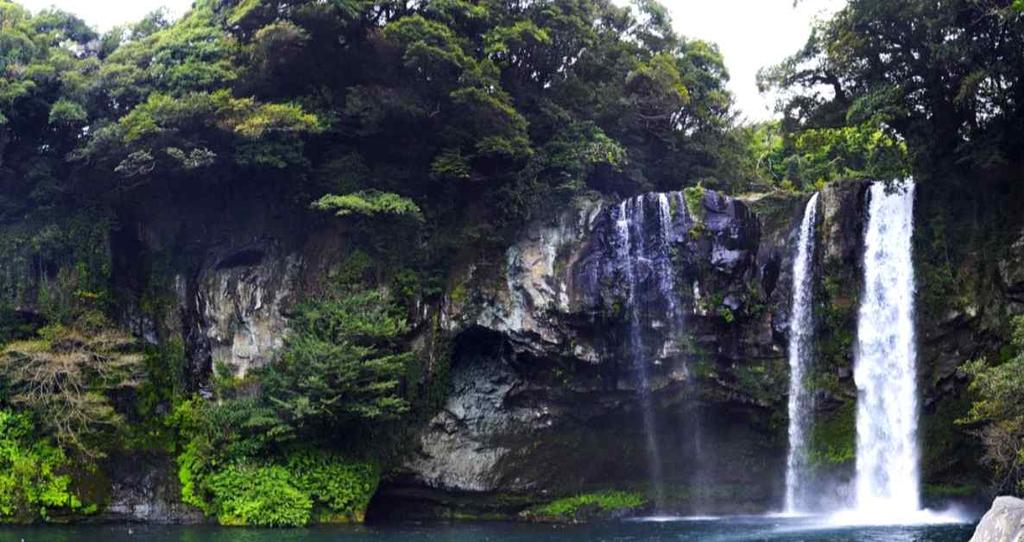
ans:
(544, 399)
(1004, 522)
(240, 303)
(144, 487)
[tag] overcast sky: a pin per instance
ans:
(750, 33)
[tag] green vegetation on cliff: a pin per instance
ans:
(428, 130)
(998, 412)
(35, 475)
(427, 135)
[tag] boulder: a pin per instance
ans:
(1004, 522)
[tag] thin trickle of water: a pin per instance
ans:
(648, 229)
(630, 250)
(801, 336)
(885, 369)
(666, 282)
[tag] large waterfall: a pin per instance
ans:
(885, 368)
(800, 346)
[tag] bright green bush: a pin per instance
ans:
(228, 469)
(33, 472)
(368, 203)
(262, 496)
(212, 436)
(694, 198)
(281, 493)
(342, 488)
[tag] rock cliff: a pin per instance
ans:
(601, 324)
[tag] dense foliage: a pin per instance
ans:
(998, 413)
(945, 77)
(342, 363)
(523, 101)
(232, 466)
(34, 473)
(429, 133)
(330, 106)
(69, 377)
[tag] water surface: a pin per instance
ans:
(703, 530)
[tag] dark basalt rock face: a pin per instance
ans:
(545, 399)
(144, 487)
(544, 395)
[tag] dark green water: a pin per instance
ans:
(722, 530)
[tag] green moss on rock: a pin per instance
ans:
(834, 436)
(588, 506)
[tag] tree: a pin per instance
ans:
(43, 93)
(342, 363)
(945, 76)
(68, 377)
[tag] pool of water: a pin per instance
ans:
(733, 529)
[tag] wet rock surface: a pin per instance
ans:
(144, 487)
(545, 397)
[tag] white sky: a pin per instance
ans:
(105, 14)
(750, 33)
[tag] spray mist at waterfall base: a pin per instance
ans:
(877, 517)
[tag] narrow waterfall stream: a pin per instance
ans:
(646, 229)
(630, 246)
(801, 327)
(885, 370)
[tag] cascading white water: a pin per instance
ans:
(630, 241)
(800, 343)
(885, 368)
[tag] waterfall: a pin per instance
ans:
(800, 345)
(885, 367)
(630, 251)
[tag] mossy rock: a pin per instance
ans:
(834, 438)
(587, 507)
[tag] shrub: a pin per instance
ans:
(342, 363)
(998, 412)
(214, 435)
(282, 492)
(228, 468)
(694, 197)
(33, 472)
(261, 496)
(342, 488)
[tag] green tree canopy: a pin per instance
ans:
(944, 76)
